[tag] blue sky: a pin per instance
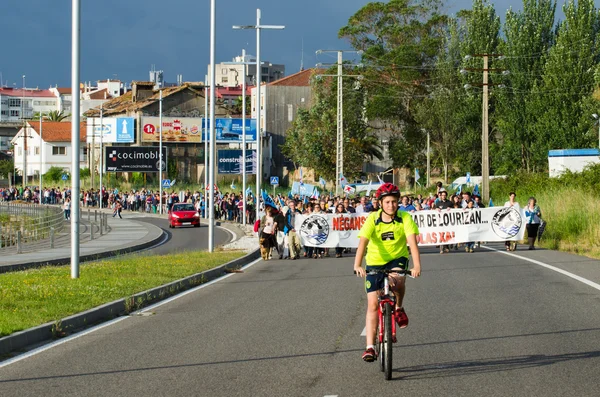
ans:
(123, 38)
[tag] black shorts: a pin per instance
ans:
(374, 282)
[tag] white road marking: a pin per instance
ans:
(115, 321)
(364, 332)
(547, 266)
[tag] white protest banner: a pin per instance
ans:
(435, 227)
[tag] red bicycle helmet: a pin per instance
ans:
(387, 189)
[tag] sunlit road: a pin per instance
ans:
(481, 324)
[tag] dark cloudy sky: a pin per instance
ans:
(123, 38)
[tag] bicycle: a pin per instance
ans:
(386, 329)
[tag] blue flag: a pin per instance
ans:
(322, 181)
(232, 185)
(459, 191)
(248, 192)
(305, 199)
(281, 202)
(491, 203)
(476, 190)
(268, 200)
(290, 195)
(343, 180)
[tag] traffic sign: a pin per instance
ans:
(65, 177)
(166, 183)
(274, 180)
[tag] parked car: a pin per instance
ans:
(184, 214)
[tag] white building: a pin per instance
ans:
(574, 160)
(52, 150)
(18, 104)
(231, 75)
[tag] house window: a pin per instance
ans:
(15, 113)
(223, 71)
(59, 150)
(14, 102)
(36, 150)
(4, 113)
(265, 70)
(224, 79)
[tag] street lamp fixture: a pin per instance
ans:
(258, 27)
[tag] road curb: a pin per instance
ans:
(158, 236)
(53, 330)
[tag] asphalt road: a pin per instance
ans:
(185, 238)
(481, 324)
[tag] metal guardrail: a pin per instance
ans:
(22, 224)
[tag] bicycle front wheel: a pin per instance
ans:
(387, 341)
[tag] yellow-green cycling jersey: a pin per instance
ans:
(387, 241)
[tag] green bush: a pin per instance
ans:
(54, 174)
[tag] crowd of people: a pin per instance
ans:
(230, 206)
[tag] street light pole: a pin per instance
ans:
(211, 179)
(258, 28)
(75, 137)
(205, 148)
(428, 160)
(41, 198)
(25, 132)
(101, 151)
(244, 65)
(485, 158)
(160, 162)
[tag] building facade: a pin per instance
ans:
(52, 149)
(17, 104)
(227, 75)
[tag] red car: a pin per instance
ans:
(183, 214)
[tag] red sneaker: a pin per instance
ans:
(369, 355)
(401, 318)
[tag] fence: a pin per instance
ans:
(22, 224)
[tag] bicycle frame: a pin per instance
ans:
(385, 297)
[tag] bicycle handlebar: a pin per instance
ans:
(401, 272)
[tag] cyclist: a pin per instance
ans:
(387, 233)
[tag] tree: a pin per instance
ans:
(55, 115)
(441, 112)
(400, 40)
(529, 35)
(310, 142)
(562, 107)
(481, 36)
(54, 174)
(6, 167)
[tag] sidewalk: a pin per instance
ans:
(125, 235)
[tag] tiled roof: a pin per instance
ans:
(300, 79)
(64, 91)
(100, 94)
(124, 103)
(27, 93)
(55, 131)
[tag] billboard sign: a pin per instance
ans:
(230, 162)
(189, 130)
(115, 130)
(230, 130)
(134, 159)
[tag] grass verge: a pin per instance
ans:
(34, 297)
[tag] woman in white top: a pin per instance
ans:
(267, 235)
(512, 245)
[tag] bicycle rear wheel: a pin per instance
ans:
(387, 341)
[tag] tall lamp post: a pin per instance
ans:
(75, 136)
(25, 132)
(41, 158)
(244, 64)
(258, 28)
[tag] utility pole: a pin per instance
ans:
(75, 135)
(25, 132)
(160, 162)
(485, 154)
(339, 156)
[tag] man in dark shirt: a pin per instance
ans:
(443, 204)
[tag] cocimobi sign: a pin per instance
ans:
(134, 159)
(435, 227)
